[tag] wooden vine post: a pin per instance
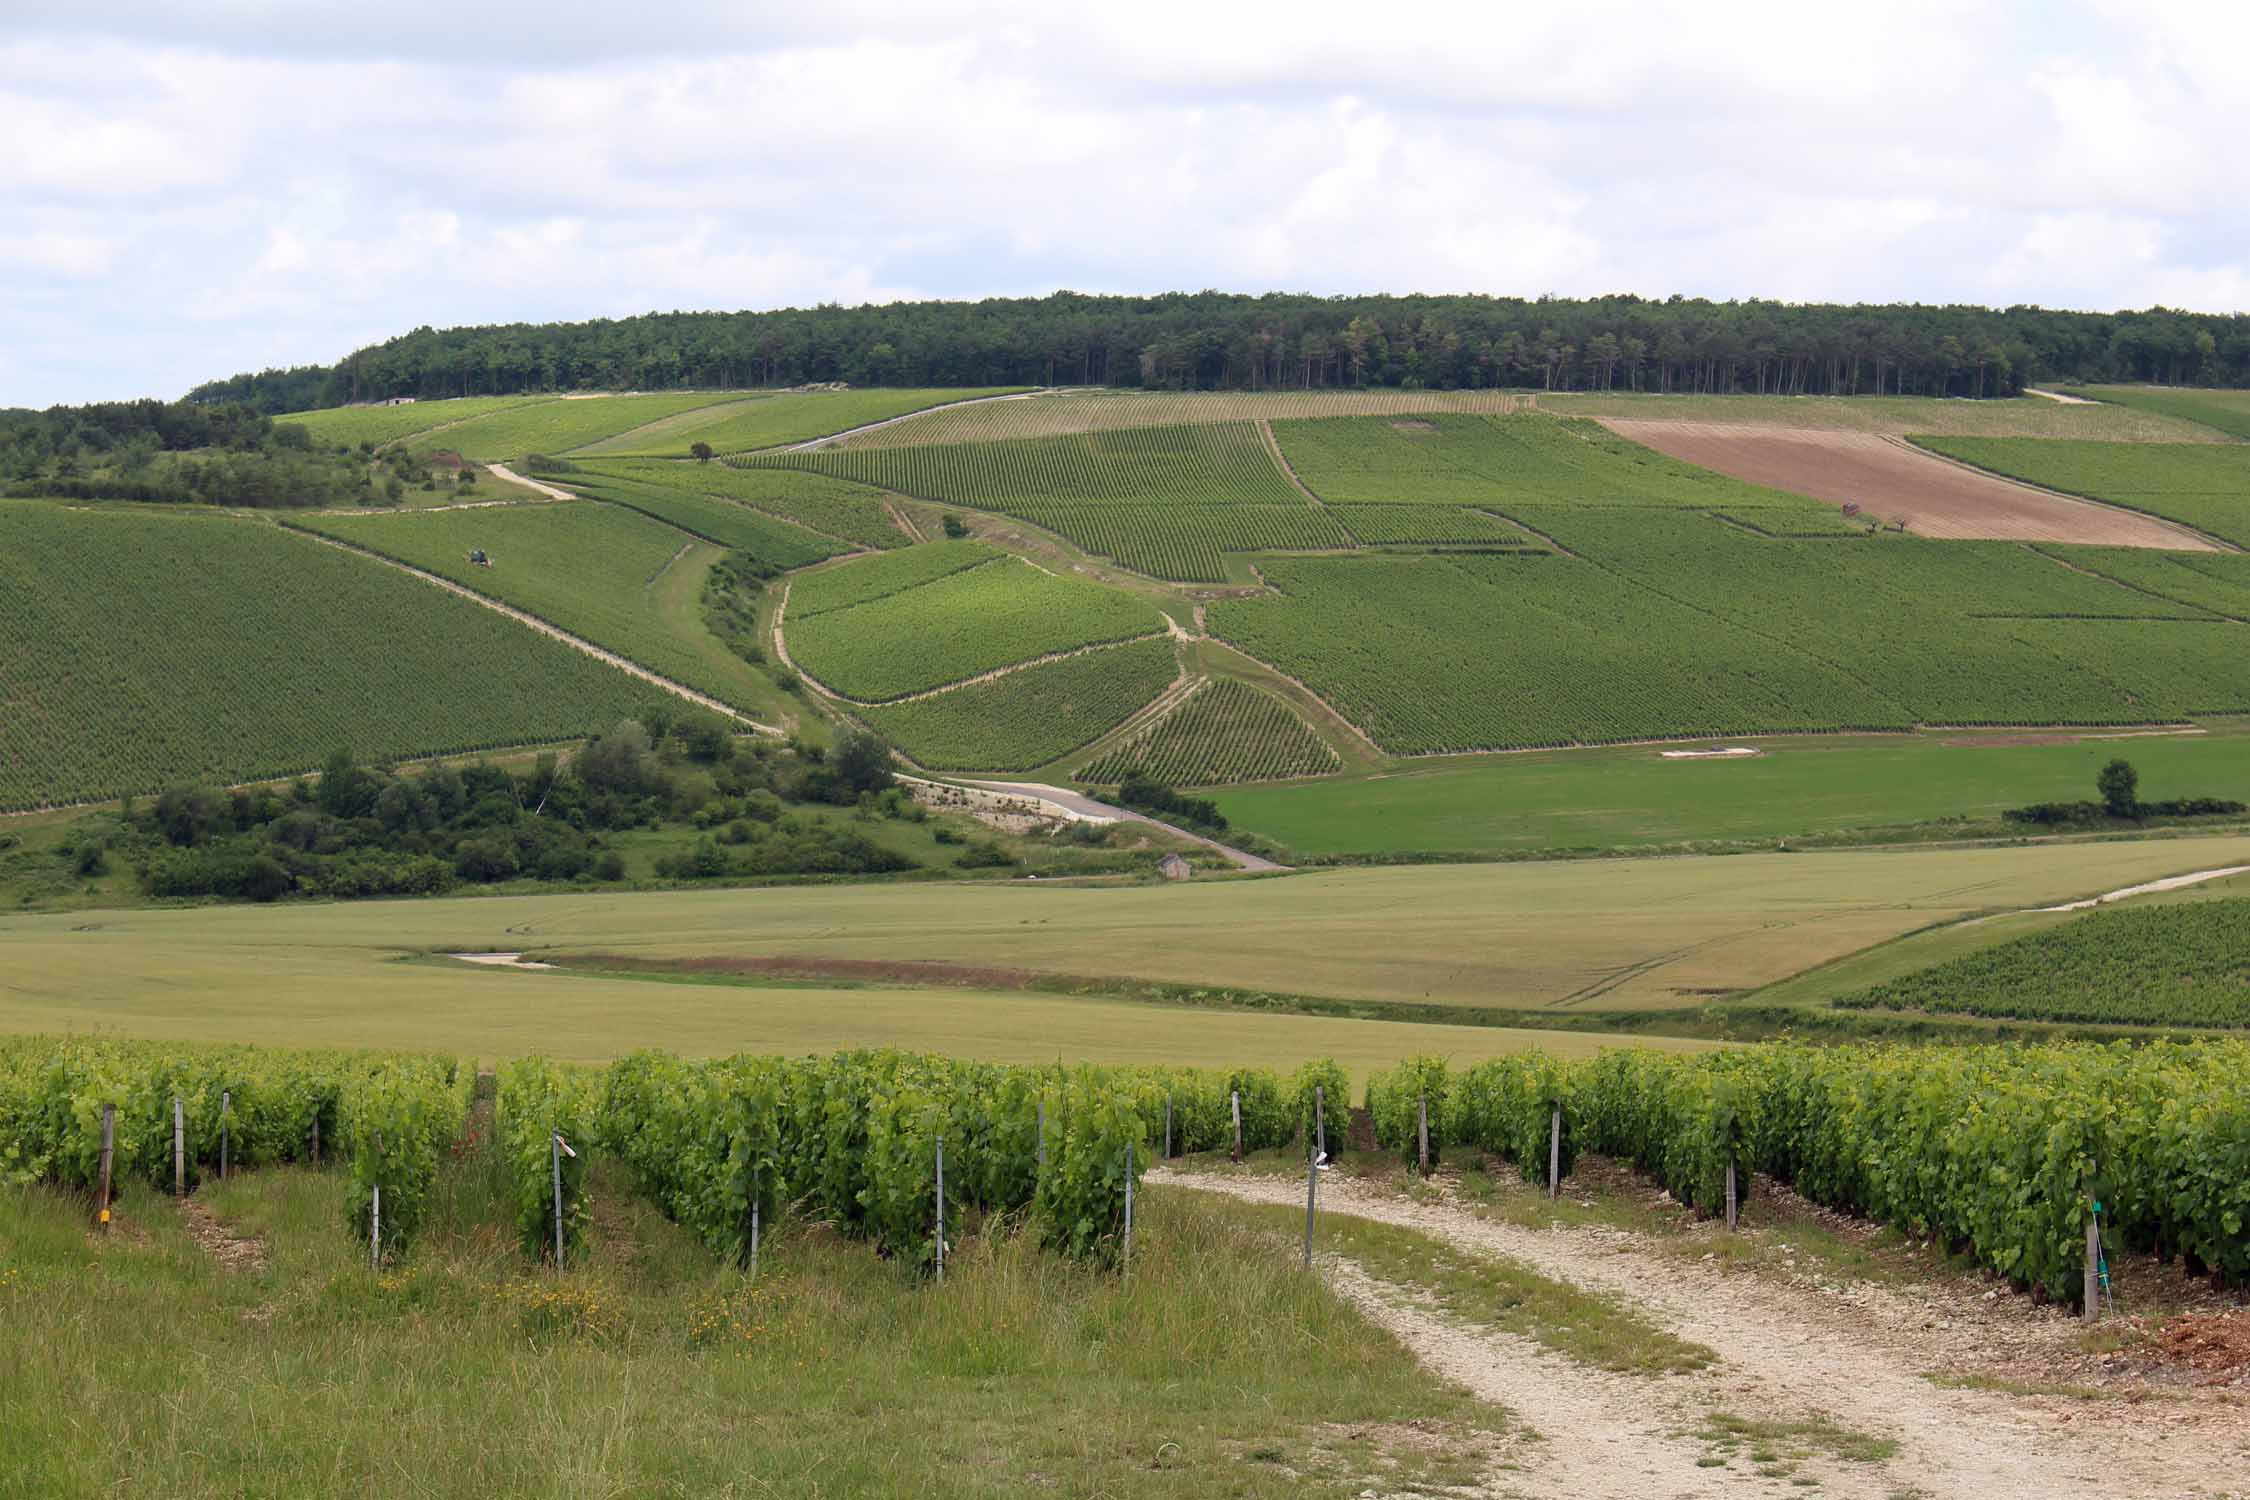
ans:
(226, 1109)
(1734, 1205)
(1554, 1154)
(2093, 1309)
(1422, 1130)
(1167, 1127)
(1320, 1122)
(179, 1149)
(1234, 1099)
(375, 1230)
(1125, 1252)
(109, 1155)
(941, 1208)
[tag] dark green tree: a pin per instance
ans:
(2120, 786)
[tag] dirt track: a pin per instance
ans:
(1857, 1354)
(1894, 481)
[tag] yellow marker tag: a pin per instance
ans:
(105, 1216)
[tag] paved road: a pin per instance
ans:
(1079, 802)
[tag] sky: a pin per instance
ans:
(187, 191)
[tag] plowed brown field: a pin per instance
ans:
(1892, 480)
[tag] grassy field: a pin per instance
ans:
(2227, 411)
(558, 426)
(142, 649)
(2021, 416)
(648, 1368)
(769, 421)
(354, 425)
(2206, 486)
(615, 576)
(1596, 935)
(1798, 786)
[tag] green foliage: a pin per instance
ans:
(1395, 1100)
(1095, 1146)
(961, 626)
(396, 1122)
(560, 426)
(147, 650)
(1028, 718)
(538, 1100)
(1439, 525)
(1506, 1105)
(2184, 965)
(1323, 1083)
(1226, 731)
(2120, 788)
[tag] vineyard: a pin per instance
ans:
(1427, 525)
(1226, 731)
(352, 425)
(1999, 1149)
(1060, 414)
(1028, 718)
(599, 571)
(779, 543)
(866, 579)
(1186, 543)
(2185, 965)
(770, 421)
(832, 507)
(2228, 411)
(1429, 654)
(571, 422)
(2204, 485)
(961, 626)
(146, 650)
(2215, 581)
(1504, 461)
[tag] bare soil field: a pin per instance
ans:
(1893, 481)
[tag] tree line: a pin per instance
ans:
(1282, 341)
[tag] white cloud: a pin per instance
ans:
(185, 191)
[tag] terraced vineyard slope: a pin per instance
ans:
(1060, 413)
(2225, 411)
(612, 575)
(1166, 501)
(1029, 718)
(1226, 731)
(770, 539)
(569, 422)
(853, 513)
(970, 622)
(2183, 965)
(768, 421)
(138, 651)
(353, 425)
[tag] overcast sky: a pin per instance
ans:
(189, 190)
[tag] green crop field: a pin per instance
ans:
(1429, 654)
(2215, 581)
(2204, 485)
(833, 507)
(961, 626)
(614, 576)
(865, 579)
(1162, 500)
(569, 422)
(769, 421)
(1026, 719)
(1502, 461)
(2227, 411)
(1898, 416)
(770, 539)
(1227, 731)
(1436, 525)
(1797, 786)
(353, 425)
(2178, 965)
(140, 650)
(1599, 934)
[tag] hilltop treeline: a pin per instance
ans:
(1212, 340)
(225, 453)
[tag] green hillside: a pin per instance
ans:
(140, 650)
(2204, 485)
(2187, 964)
(2228, 411)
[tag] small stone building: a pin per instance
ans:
(1175, 867)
